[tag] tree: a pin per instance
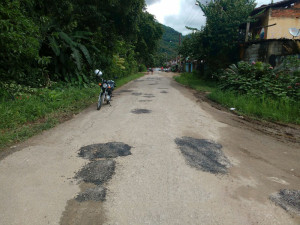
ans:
(217, 42)
(19, 42)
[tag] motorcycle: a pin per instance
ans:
(107, 87)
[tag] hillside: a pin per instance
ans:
(169, 42)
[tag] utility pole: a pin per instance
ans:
(179, 66)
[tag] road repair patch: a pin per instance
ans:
(141, 111)
(107, 150)
(92, 194)
(97, 172)
(204, 155)
(289, 200)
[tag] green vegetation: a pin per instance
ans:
(284, 110)
(217, 42)
(35, 110)
(168, 46)
(65, 40)
(255, 89)
(192, 80)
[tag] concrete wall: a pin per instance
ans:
(269, 51)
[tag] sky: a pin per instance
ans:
(180, 13)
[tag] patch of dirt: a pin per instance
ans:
(203, 154)
(107, 150)
(97, 172)
(92, 194)
(141, 111)
(289, 200)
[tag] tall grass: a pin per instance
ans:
(282, 110)
(193, 81)
(26, 116)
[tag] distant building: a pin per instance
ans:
(274, 20)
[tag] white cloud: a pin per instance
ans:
(164, 8)
(180, 13)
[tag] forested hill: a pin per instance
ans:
(169, 42)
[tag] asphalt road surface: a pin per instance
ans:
(175, 160)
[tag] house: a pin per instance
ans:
(274, 20)
(268, 38)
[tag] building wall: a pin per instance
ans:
(281, 29)
(284, 18)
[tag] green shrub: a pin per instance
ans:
(142, 68)
(261, 79)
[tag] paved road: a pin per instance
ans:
(156, 184)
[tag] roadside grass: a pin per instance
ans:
(25, 117)
(260, 107)
(191, 80)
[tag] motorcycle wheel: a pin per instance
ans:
(100, 100)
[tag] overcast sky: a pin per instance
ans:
(180, 13)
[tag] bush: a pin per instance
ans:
(261, 79)
(142, 68)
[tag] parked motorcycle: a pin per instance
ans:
(107, 87)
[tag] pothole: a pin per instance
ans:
(97, 172)
(107, 150)
(136, 94)
(148, 96)
(145, 100)
(164, 92)
(204, 155)
(141, 111)
(289, 200)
